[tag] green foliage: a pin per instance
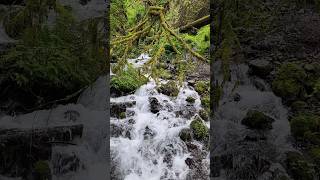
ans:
(306, 127)
(201, 41)
(135, 10)
(128, 81)
(199, 129)
(298, 167)
(289, 81)
(53, 62)
(202, 87)
(315, 155)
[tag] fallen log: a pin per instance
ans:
(195, 24)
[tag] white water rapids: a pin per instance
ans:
(153, 149)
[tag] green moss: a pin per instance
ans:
(205, 102)
(298, 167)
(185, 135)
(42, 170)
(257, 120)
(169, 89)
(305, 126)
(199, 129)
(133, 10)
(127, 81)
(190, 99)
(201, 40)
(122, 115)
(202, 87)
(289, 81)
(50, 63)
(204, 114)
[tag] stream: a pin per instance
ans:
(148, 146)
(240, 152)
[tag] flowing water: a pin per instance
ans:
(241, 153)
(149, 147)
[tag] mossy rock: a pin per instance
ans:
(42, 170)
(204, 114)
(185, 134)
(205, 102)
(289, 80)
(202, 87)
(298, 167)
(257, 120)
(190, 99)
(305, 127)
(126, 82)
(170, 89)
(199, 129)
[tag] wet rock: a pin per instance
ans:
(148, 133)
(204, 114)
(257, 120)
(169, 89)
(259, 84)
(155, 105)
(190, 163)
(131, 121)
(298, 167)
(236, 97)
(185, 134)
(116, 130)
(118, 110)
(187, 112)
(168, 159)
(199, 129)
(260, 67)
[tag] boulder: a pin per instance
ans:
(185, 134)
(257, 120)
(155, 105)
(169, 89)
(119, 109)
(260, 67)
(199, 129)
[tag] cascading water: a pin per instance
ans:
(148, 146)
(240, 152)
